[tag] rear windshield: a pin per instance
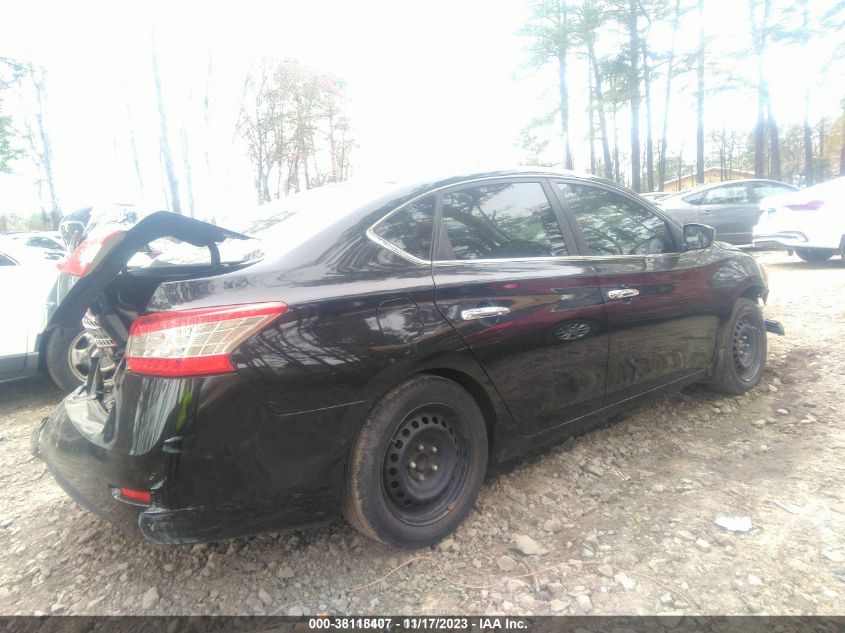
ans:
(276, 227)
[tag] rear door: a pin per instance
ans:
(731, 210)
(508, 278)
(662, 310)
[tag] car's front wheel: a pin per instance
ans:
(743, 358)
(417, 464)
(815, 254)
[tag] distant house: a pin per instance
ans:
(711, 174)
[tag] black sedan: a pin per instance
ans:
(373, 348)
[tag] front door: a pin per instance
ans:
(532, 313)
(730, 209)
(662, 310)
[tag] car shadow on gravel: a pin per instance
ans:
(28, 393)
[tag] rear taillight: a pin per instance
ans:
(90, 251)
(813, 205)
(194, 342)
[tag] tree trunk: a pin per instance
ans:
(774, 139)
(591, 111)
(164, 142)
(649, 142)
(661, 161)
(808, 131)
(564, 112)
(186, 165)
(699, 130)
(605, 145)
(759, 34)
(634, 81)
(39, 81)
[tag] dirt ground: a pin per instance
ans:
(619, 521)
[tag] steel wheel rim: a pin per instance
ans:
(79, 358)
(746, 349)
(426, 465)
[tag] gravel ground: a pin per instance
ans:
(619, 521)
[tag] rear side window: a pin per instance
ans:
(410, 229)
(764, 189)
(615, 225)
(728, 194)
(500, 221)
(694, 198)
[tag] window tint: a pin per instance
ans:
(615, 225)
(728, 194)
(500, 221)
(763, 189)
(43, 242)
(410, 228)
(694, 198)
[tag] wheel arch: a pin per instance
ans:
(478, 393)
(754, 292)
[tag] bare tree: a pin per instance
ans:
(164, 137)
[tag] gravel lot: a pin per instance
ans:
(620, 521)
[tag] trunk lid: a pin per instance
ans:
(105, 253)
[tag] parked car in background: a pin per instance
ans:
(731, 207)
(47, 240)
(372, 348)
(810, 222)
(654, 196)
(27, 278)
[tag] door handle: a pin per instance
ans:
(706, 212)
(484, 312)
(624, 293)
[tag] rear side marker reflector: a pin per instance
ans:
(196, 342)
(138, 497)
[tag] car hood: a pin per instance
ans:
(105, 252)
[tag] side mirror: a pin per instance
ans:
(698, 236)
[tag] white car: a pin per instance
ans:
(48, 240)
(810, 222)
(28, 276)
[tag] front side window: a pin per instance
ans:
(6, 261)
(500, 221)
(410, 229)
(615, 225)
(728, 194)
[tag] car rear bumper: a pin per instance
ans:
(217, 466)
(790, 240)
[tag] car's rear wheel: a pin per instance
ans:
(815, 254)
(743, 345)
(417, 464)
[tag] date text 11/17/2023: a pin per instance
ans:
(417, 623)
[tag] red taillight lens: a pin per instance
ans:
(813, 205)
(134, 496)
(91, 250)
(194, 342)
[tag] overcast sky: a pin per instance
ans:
(431, 86)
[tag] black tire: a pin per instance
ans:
(64, 352)
(434, 433)
(815, 254)
(743, 344)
